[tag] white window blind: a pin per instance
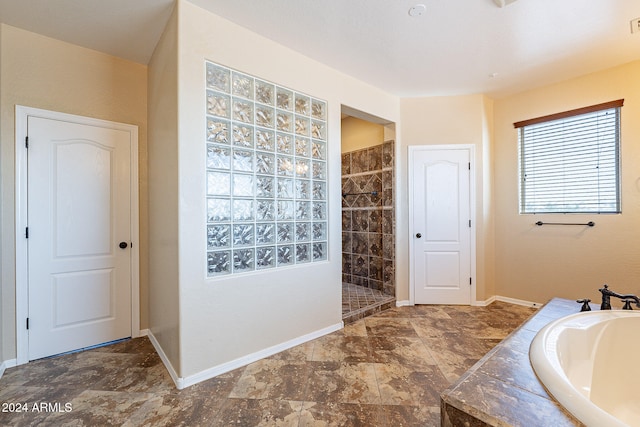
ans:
(569, 162)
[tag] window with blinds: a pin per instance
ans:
(570, 162)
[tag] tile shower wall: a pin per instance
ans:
(368, 224)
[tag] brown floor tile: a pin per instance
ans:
(386, 370)
(342, 348)
(395, 327)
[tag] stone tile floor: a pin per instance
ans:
(359, 302)
(385, 370)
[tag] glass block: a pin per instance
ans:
(218, 78)
(319, 251)
(303, 104)
(265, 140)
(242, 85)
(319, 170)
(285, 232)
(218, 236)
(242, 110)
(243, 136)
(265, 92)
(218, 184)
(303, 253)
(264, 116)
(275, 171)
(243, 210)
(265, 163)
(242, 185)
(284, 165)
(318, 109)
(243, 235)
(265, 233)
(284, 143)
(265, 186)
(217, 131)
(319, 210)
(303, 211)
(218, 104)
(284, 99)
(242, 160)
(265, 210)
(319, 190)
(319, 150)
(266, 257)
(284, 121)
(303, 231)
(219, 263)
(285, 210)
(243, 260)
(302, 147)
(218, 210)
(318, 130)
(303, 189)
(218, 157)
(285, 188)
(302, 168)
(302, 125)
(285, 255)
(319, 231)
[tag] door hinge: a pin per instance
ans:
(470, 281)
(27, 323)
(469, 165)
(26, 233)
(26, 142)
(469, 223)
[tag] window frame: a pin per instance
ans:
(616, 106)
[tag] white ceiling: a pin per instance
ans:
(456, 47)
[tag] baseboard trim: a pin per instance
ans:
(250, 358)
(484, 303)
(167, 364)
(7, 364)
(518, 301)
(487, 302)
(182, 382)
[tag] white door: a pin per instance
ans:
(441, 225)
(79, 235)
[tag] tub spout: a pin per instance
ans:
(607, 294)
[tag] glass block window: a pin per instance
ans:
(266, 162)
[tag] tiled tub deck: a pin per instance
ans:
(502, 389)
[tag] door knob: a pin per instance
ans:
(418, 235)
(123, 245)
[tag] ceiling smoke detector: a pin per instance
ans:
(503, 3)
(417, 10)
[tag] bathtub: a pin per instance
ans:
(589, 363)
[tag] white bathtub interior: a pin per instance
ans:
(587, 361)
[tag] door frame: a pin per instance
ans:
(472, 207)
(21, 189)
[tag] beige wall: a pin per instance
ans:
(41, 72)
(448, 120)
(357, 134)
(224, 319)
(537, 263)
(164, 295)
